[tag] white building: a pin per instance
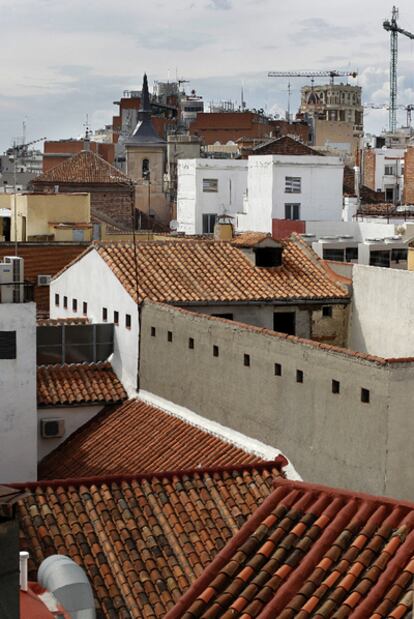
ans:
(18, 421)
(207, 188)
(389, 172)
(254, 192)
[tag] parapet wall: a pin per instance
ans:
(307, 399)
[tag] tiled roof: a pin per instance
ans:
(43, 259)
(383, 209)
(78, 383)
(284, 146)
(136, 438)
(142, 540)
(250, 239)
(215, 271)
(83, 168)
(312, 551)
(57, 322)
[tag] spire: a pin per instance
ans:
(144, 133)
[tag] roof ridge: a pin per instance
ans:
(278, 463)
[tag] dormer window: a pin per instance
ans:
(268, 256)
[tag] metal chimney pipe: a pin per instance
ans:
(23, 559)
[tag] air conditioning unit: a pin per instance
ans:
(52, 428)
(44, 280)
(18, 267)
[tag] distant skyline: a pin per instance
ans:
(64, 59)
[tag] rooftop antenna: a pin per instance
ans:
(87, 138)
(289, 95)
(242, 101)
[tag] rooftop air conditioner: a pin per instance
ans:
(52, 428)
(18, 267)
(44, 280)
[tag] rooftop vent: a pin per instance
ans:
(373, 239)
(268, 256)
(328, 238)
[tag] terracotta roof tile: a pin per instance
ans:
(83, 168)
(136, 438)
(249, 239)
(78, 383)
(187, 272)
(142, 540)
(310, 560)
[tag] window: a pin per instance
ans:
(389, 170)
(327, 311)
(128, 321)
(215, 351)
(105, 314)
(379, 259)
(284, 322)
(299, 376)
(153, 332)
(116, 318)
(333, 254)
(351, 253)
(74, 305)
(398, 254)
(145, 169)
(65, 302)
(209, 221)
(7, 344)
(268, 256)
(278, 369)
(335, 386)
(389, 194)
(191, 343)
(169, 336)
(292, 184)
(210, 185)
(57, 300)
(84, 308)
(292, 211)
(246, 360)
(365, 395)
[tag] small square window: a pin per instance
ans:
(8, 345)
(169, 336)
(153, 331)
(191, 343)
(215, 351)
(246, 360)
(299, 376)
(327, 311)
(365, 395)
(57, 300)
(116, 318)
(85, 308)
(75, 305)
(278, 369)
(104, 314)
(336, 386)
(128, 321)
(65, 302)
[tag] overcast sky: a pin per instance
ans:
(63, 59)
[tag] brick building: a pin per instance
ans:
(112, 192)
(57, 151)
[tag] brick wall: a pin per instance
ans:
(369, 169)
(114, 204)
(408, 197)
(283, 228)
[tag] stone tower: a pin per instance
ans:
(145, 155)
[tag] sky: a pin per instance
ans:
(64, 59)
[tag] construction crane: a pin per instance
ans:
(385, 106)
(313, 74)
(393, 28)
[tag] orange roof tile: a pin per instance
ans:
(83, 168)
(136, 438)
(78, 383)
(311, 551)
(249, 239)
(142, 540)
(187, 272)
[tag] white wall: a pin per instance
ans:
(18, 439)
(91, 280)
(321, 189)
(192, 202)
(73, 416)
(382, 316)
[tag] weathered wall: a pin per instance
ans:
(332, 438)
(409, 176)
(18, 440)
(369, 169)
(382, 318)
(115, 204)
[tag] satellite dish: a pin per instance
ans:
(174, 225)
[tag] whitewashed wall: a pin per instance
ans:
(192, 202)
(91, 280)
(382, 317)
(18, 438)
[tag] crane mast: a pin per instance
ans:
(392, 27)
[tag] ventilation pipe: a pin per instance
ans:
(23, 559)
(69, 584)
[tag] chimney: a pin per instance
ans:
(223, 228)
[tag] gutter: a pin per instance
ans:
(273, 302)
